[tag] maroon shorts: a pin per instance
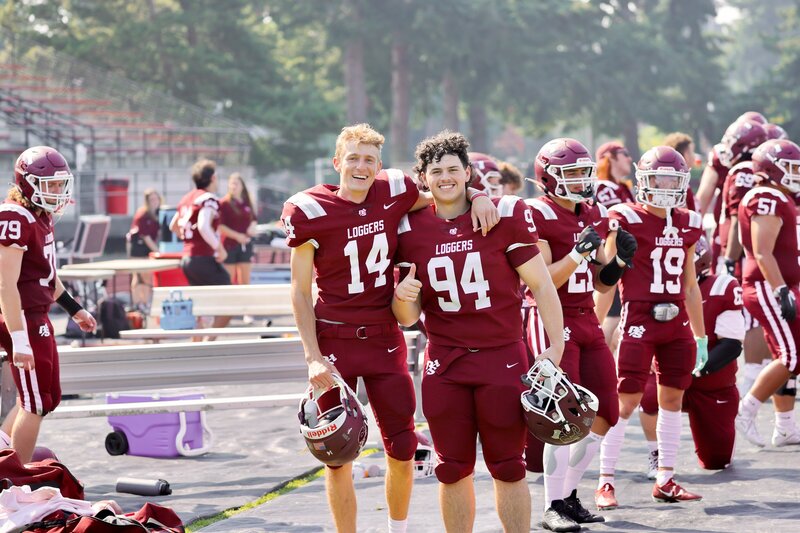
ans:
(711, 415)
(783, 338)
(378, 354)
(587, 359)
(39, 390)
(642, 337)
(469, 394)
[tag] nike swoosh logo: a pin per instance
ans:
(390, 350)
(387, 206)
(685, 230)
(686, 323)
(722, 401)
(511, 366)
(704, 301)
(597, 223)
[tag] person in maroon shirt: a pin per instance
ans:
(712, 399)
(346, 234)
(468, 288)
(771, 274)
(142, 239)
(238, 227)
(662, 315)
(29, 285)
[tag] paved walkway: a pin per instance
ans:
(257, 450)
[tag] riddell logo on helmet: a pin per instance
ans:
(322, 432)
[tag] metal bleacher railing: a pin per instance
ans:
(108, 125)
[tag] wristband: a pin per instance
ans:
(477, 194)
(68, 303)
(21, 343)
(576, 256)
(609, 275)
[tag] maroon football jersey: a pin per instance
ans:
(610, 193)
(560, 228)
(237, 215)
(188, 210)
(766, 201)
(690, 203)
(355, 244)
(722, 317)
(722, 173)
(661, 254)
(20, 228)
(470, 288)
(144, 225)
(738, 182)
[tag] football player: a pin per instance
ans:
(571, 231)
(29, 285)
(768, 216)
(661, 315)
(487, 174)
(468, 288)
(712, 398)
(346, 234)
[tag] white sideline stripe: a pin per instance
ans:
(174, 406)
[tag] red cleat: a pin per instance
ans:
(671, 492)
(604, 498)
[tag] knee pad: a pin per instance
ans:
(509, 471)
(789, 388)
(401, 446)
(452, 472)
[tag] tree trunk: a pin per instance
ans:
(166, 64)
(354, 81)
(450, 101)
(401, 108)
(631, 134)
(477, 128)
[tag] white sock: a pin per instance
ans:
(652, 445)
(749, 374)
(668, 430)
(398, 526)
(580, 457)
(556, 462)
(609, 451)
(784, 421)
(5, 440)
(749, 405)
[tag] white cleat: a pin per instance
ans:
(787, 438)
(747, 427)
(652, 469)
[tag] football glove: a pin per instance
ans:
(786, 298)
(626, 247)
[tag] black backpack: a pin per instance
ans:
(113, 318)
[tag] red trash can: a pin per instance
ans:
(169, 278)
(115, 191)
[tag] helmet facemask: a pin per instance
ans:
(585, 178)
(490, 179)
(424, 461)
(51, 193)
(664, 187)
(791, 173)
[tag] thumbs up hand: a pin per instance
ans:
(408, 289)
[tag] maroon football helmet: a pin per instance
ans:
(755, 116)
(557, 411)
(775, 132)
(565, 155)
(702, 257)
(333, 423)
(662, 177)
(778, 160)
(43, 176)
(487, 174)
(741, 137)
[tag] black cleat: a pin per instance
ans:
(556, 518)
(580, 514)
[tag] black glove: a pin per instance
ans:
(786, 299)
(626, 247)
(588, 241)
(730, 265)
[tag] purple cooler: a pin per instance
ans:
(158, 435)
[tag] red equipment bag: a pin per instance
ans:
(151, 518)
(47, 473)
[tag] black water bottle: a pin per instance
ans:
(143, 487)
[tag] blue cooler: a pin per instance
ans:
(158, 435)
